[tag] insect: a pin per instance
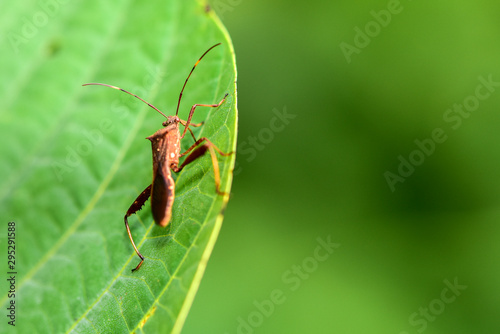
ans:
(166, 153)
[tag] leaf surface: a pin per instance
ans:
(75, 158)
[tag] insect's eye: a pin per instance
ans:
(164, 123)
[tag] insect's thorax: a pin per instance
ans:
(166, 146)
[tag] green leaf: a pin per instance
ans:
(75, 158)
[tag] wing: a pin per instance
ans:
(162, 187)
(162, 194)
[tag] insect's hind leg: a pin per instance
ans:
(136, 206)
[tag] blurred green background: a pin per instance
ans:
(410, 65)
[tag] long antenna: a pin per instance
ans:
(123, 90)
(180, 95)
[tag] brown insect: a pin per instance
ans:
(166, 153)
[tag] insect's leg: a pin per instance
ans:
(136, 206)
(192, 134)
(191, 112)
(198, 152)
(192, 124)
(198, 142)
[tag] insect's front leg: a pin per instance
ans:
(136, 206)
(191, 112)
(192, 124)
(199, 151)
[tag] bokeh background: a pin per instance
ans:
(418, 256)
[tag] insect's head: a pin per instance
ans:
(171, 120)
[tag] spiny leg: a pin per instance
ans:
(200, 151)
(136, 206)
(191, 112)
